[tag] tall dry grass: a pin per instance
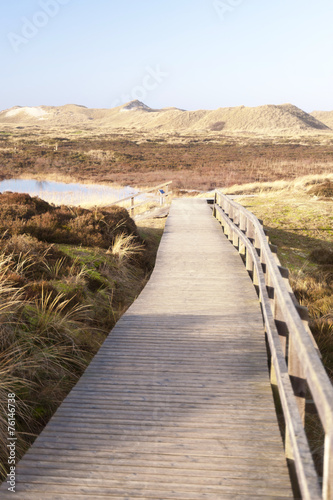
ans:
(125, 246)
(303, 183)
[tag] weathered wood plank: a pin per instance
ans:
(177, 404)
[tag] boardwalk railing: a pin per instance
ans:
(296, 368)
(162, 190)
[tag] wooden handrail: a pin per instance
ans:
(295, 360)
(150, 190)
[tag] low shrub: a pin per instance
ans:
(20, 214)
(322, 255)
(324, 189)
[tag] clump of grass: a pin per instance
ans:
(322, 255)
(125, 247)
(12, 363)
(313, 289)
(13, 359)
(324, 189)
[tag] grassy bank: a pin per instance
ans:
(66, 276)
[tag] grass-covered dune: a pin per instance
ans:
(66, 276)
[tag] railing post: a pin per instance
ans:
(328, 467)
(214, 206)
(235, 239)
(249, 263)
(256, 280)
(297, 378)
(257, 243)
(280, 324)
(225, 204)
(236, 217)
(242, 222)
(242, 227)
(250, 231)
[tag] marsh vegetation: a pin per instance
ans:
(191, 162)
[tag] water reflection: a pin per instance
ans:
(42, 185)
(67, 194)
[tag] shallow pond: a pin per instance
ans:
(68, 194)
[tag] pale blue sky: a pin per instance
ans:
(192, 54)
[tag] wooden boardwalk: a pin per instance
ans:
(177, 404)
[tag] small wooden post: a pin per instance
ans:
(328, 467)
(273, 375)
(132, 207)
(231, 213)
(235, 240)
(280, 324)
(242, 222)
(255, 280)
(214, 206)
(257, 243)
(250, 231)
(297, 378)
(242, 250)
(225, 206)
(249, 263)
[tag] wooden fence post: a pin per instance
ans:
(249, 263)
(328, 467)
(297, 378)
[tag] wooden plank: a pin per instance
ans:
(177, 404)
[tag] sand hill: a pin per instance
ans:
(325, 117)
(137, 115)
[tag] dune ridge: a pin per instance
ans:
(137, 115)
(325, 117)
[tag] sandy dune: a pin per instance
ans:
(136, 115)
(325, 117)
